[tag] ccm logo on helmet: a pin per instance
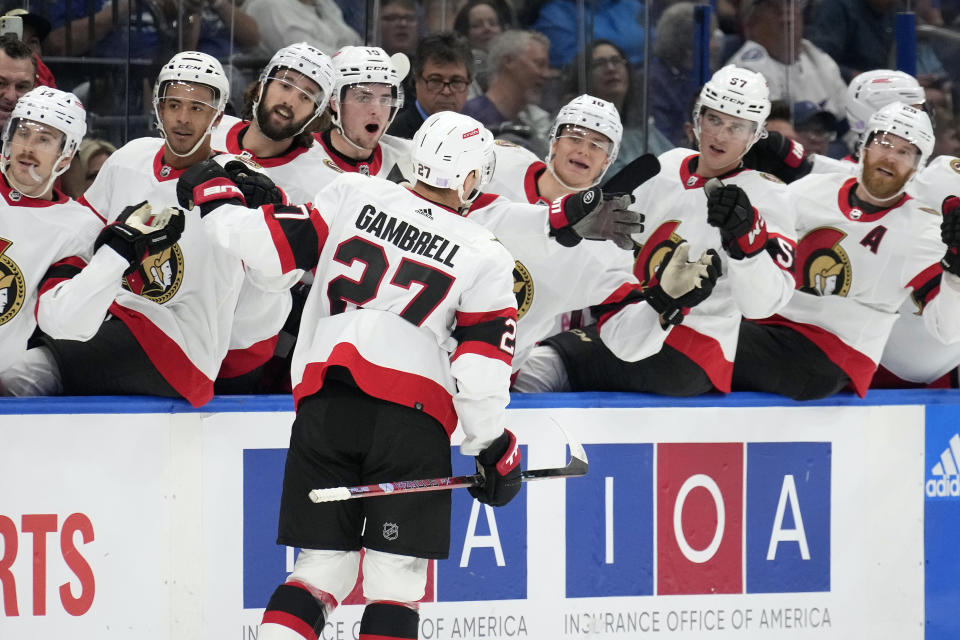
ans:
(470, 134)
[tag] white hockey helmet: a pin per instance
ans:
(192, 67)
(367, 65)
(737, 92)
(57, 109)
(871, 90)
(904, 121)
(307, 60)
(448, 147)
(591, 113)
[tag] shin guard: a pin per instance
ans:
(389, 621)
(293, 612)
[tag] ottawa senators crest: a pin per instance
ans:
(13, 289)
(159, 276)
(824, 267)
(522, 288)
(658, 246)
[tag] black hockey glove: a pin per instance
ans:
(680, 284)
(207, 185)
(499, 464)
(743, 230)
(779, 155)
(950, 234)
(593, 215)
(257, 188)
(137, 233)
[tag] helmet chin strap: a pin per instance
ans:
(891, 199)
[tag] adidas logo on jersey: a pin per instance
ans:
(427, 213)
(948, 470)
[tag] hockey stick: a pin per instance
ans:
(576, 466)
(633, 175)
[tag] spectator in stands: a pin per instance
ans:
(318, 22)
(90, 156)
(480, 21)
(616, 20)
(795, 69)
(859, 35)
(610, 77)
(35, 31)
(18, 73)
(398, 26)
(219, 27)
(443, 70)
(672, 83)
(519, 68)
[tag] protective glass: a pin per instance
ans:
(737, 129)
(290, 80)
(901, 151)
(372, 95)
(578, 136)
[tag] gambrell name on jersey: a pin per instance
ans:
(405, 236)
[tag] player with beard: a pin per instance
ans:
(865, 247)
(367, 94)
(171, 313)
(283, 110)
(36, 149)
(757, 241)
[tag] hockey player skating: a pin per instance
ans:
(170, 314)
(409, 327)
(36, 149)
(757, 241)
(865, 246)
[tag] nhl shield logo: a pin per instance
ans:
(587, 197)
(692, 180)
(855, 214)
(165, 171)
(15, 195)
(391, 531)
(364, 169)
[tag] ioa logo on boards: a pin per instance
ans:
(945, 482)
(666, 518)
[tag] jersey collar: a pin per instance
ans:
(692, 180)
(16, 199)
(233, 146)
(161, 170)
(857, 214)
(370, 166)
(534, 171)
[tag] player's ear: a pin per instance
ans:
(216, 121)
(65, 162)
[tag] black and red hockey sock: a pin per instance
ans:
(294, 607)
(389, 621)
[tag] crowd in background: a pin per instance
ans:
(526, 56)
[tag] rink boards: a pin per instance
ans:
(738, 517)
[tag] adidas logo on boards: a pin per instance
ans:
(946, 482)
